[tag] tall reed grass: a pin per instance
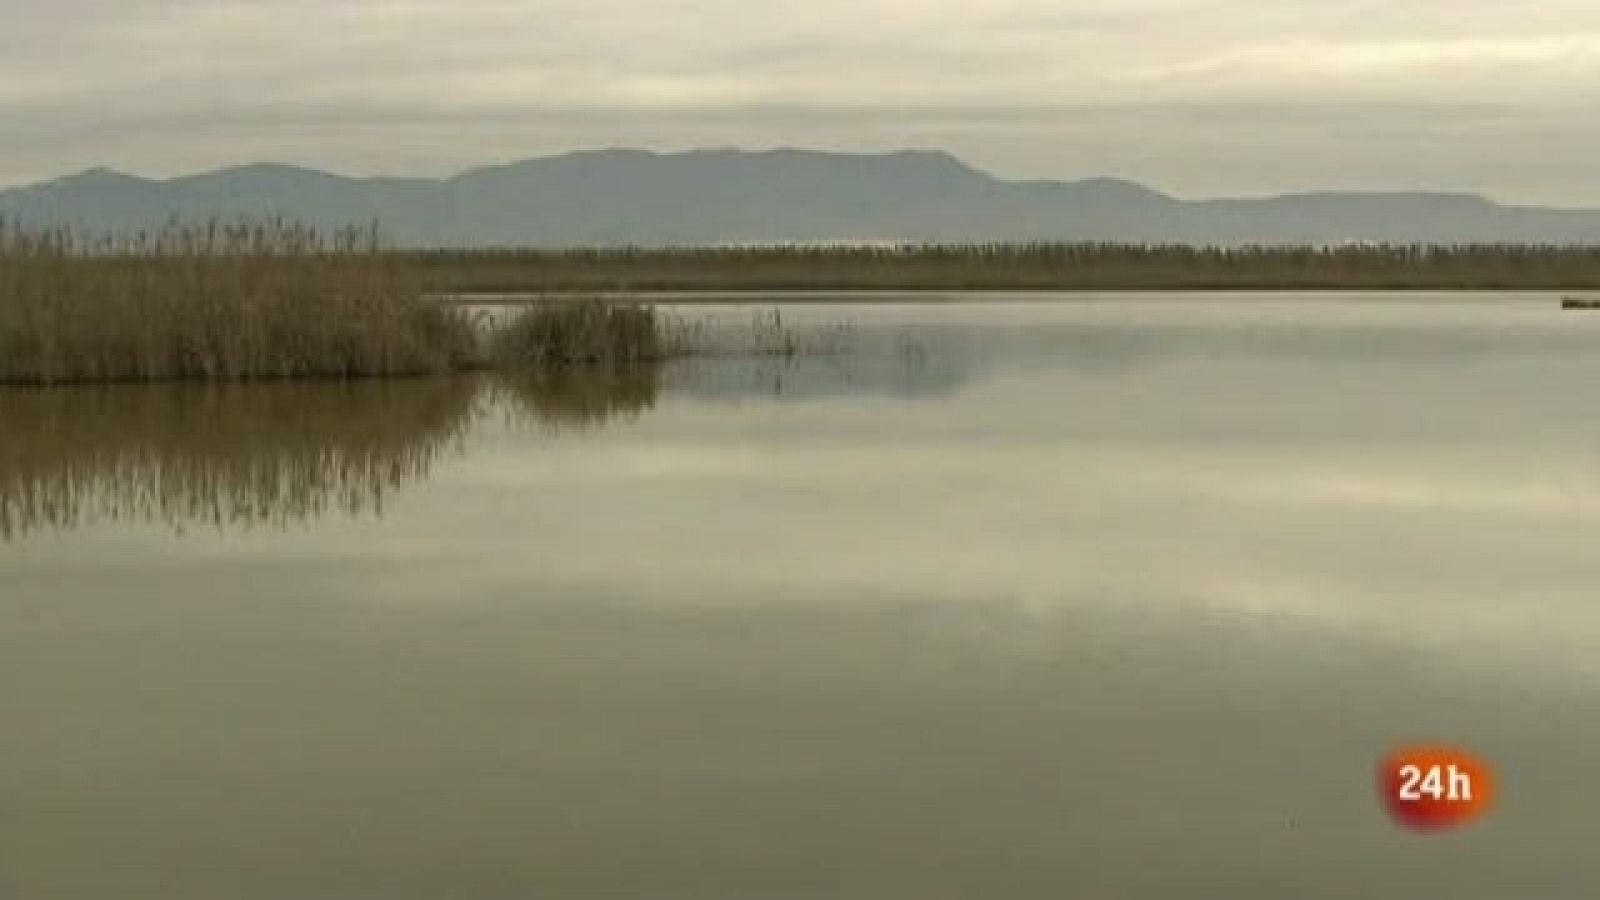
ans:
(596, 334)
(585, 333)
(219, 303)
(276, 300)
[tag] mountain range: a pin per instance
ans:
(621, 196)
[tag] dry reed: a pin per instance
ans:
(275, 300)
(588, 333)
(216, 303)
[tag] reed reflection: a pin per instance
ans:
(238, 455)
(265, 454)
(579, 399)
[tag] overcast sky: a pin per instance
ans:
(1197, 97)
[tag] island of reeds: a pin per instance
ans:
(272, 301)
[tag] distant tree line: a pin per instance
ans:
(1034, 266)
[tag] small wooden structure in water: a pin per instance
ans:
(1580, 302)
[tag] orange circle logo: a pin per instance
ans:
(1434, 789)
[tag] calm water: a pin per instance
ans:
(1110, 598)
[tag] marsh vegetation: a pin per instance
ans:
(275, 300)
(217, 303)
(252, 302)
(1004, 266)
(587, 333)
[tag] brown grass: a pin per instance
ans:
(219, 304)
(278, 301)
(589, 333)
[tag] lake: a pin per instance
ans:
(1102, 596)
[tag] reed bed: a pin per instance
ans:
(593, 333)
(217, 303)
(270, 301)
(584, 333)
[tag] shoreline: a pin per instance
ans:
(978, 297)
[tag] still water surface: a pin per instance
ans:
(1115, 598)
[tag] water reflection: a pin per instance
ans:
(242, 456)
(905, 370)
(578, 400)
(239, 455)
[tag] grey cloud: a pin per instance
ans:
(1194, 96)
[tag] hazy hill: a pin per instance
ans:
(712, 196)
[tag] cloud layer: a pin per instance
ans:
(1195, 96)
